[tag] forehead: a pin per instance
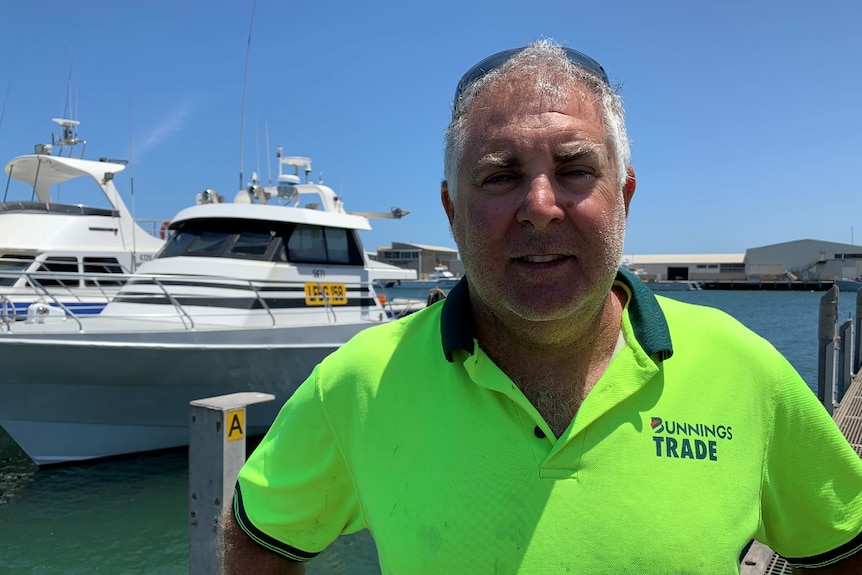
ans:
(515, 106)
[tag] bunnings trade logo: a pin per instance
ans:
(684, 440)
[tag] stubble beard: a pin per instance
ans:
(478, 257)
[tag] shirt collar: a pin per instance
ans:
(457, 331)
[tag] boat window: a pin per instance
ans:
(177, 243)
(264, 240)
(252, 243)
(64, 265)
(306, 244)
(10, 267)
(209, 243)
(223, 237)
(103, 266)
(316, 244)
(337, 248)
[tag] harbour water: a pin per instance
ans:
(130, 515)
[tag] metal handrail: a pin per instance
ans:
(181, 312)
(53, 294)
(33, 282)
(4, 314)
(263, 303)
(327, 305)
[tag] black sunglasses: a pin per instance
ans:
(494, 61)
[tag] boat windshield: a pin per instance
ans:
(263, 240)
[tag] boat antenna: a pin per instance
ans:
(132, 188)
(244, 84)
(67, 112)
(256, 148)
(268, 162)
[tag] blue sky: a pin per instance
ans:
(745, 116)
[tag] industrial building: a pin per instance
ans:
(804, 260)
(421, 258)
(801, 260)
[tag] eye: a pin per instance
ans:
(578, 172)
(579, 176)
(500, 179)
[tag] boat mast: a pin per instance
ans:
(244, 84)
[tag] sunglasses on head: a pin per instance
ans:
(494, 61)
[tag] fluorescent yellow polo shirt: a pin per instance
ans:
(678, 456)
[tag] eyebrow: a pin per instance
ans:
(500, 159)
(563, 153)
(575, 150)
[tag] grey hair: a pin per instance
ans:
(546, 62)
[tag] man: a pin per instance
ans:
(551, 415)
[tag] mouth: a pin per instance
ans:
(540, 259)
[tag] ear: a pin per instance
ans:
(629, 187)
(447, 202)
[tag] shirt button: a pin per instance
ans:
(539, 433)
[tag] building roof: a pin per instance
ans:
(644, 259)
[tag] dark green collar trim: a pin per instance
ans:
(648, 321)
(456, 320)
(647, 318)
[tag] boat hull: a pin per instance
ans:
(65, 398)
(846, 285)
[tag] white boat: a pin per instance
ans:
(245, 296)
(52, 240)
(440, 278)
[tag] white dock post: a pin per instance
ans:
(216, 453)
(828, 319)
(845, 360)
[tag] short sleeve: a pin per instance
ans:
(294, 495)
(812, 481)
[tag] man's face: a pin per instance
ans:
(540, 217)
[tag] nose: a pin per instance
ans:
(539, 207)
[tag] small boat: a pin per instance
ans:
(440, 278)
(246, 295)
(51, 241)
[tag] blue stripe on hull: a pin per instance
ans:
(76, 308)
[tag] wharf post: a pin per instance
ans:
(828, 320)
(216, 453)
(857, 352)
(845, 359)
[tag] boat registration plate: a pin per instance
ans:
(320, 294)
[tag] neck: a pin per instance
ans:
(592, 327)
(555, 364)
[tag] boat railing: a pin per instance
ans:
(185, 317)
(327, 303)
(147, 289)
(8, 312)
(255, 286)
(49, 282)
(398, 307)
(53, 294)
(262, 301)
